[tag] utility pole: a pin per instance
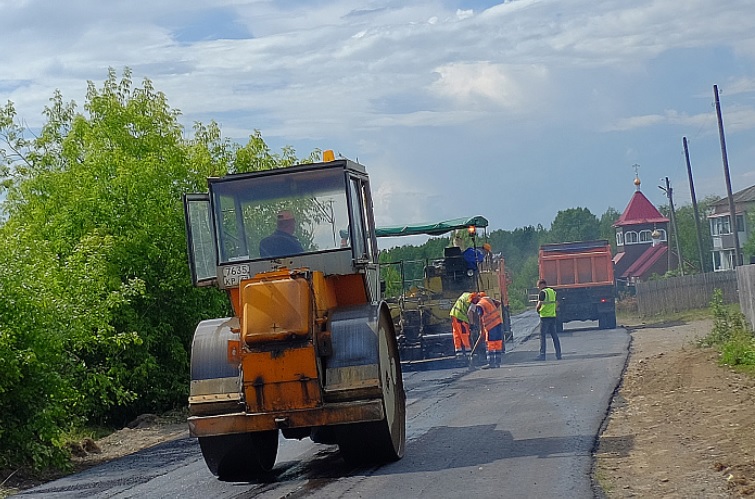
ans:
(732, 213)
(694, 206)
(669, 193)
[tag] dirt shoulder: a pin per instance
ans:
(680, 424)
(146, 431)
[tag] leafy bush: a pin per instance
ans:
(739, 350)
(730, 334)
(726, 323)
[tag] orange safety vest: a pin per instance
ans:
(491, 317)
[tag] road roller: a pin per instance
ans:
(310, 350)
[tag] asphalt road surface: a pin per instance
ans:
(524, 430)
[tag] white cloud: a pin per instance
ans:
(735, 119)
(464, 14)
(539, 94)
(480, 85)
(742, 85)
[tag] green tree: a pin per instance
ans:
(574, 224)
(520, 250)
(95, 260)
(607, 230)
(749, 245)
(685, 221)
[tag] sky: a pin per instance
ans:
(511, 110)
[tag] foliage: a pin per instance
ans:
(739, 350)
(688, 245)
(411, 260)
(34, 399)
(520, 249)
(574, 224)
(98, 304)
(391, 275)
(607, 230)
(748, 249)
(730, 334)
(726, 322)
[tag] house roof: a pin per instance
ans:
(640, 211)
(743, 196)
(646, 260)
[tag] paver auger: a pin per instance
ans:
(311, 349)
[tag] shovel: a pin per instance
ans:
(471, 353)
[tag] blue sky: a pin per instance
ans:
(511, 110)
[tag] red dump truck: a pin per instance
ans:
(581, 273)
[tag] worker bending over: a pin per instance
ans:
(460, 325)
(491, 324)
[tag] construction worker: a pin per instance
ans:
(491, 324)
(546, 307)
(474, 256)
(460, 325)
(282, 242)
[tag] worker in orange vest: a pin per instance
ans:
(488, 310)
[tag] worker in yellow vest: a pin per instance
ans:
(460, 325)
(546, 307)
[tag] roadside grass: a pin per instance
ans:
(732, 336)
(604, 480)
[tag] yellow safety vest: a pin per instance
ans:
(459, 310)
(548, 309)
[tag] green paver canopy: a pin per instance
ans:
(431, 229)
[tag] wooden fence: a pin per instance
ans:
(677, 294)
(746, 280)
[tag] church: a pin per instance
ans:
(641, 241)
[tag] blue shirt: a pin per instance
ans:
(280, 244)
(473, 256)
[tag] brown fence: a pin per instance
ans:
(677, 294)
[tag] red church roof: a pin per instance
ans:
(644, 263)
(640, 211)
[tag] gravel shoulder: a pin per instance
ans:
(680, 425)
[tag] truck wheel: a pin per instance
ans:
(607, 320)
(240, 456)
(380, 441)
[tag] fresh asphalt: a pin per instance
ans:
(525, 430)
